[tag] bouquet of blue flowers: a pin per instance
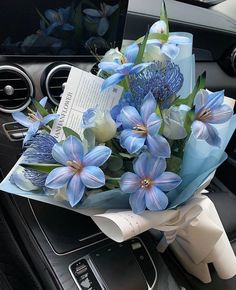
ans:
(153, 152)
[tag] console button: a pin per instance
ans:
(84, 276)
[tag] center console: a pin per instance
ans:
(70, 251)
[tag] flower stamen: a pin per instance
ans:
(204, 115)
(140, 129)
(146, 182)
(76, 166)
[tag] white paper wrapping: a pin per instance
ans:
(194, 230)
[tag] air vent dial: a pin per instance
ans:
(16, 89)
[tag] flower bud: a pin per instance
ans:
(101, 123)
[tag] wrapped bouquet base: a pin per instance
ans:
(194, 232)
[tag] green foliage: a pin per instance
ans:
(44, 168)
(42, 111)
(174, 164)
(69, 132)
(159, 36)
(115, 163)
(164, 17)
(201, 82)
(142, 46)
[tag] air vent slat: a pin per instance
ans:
(55, 82)
(16, 89)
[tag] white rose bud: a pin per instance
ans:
(101, 123)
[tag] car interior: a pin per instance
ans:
(47, 247)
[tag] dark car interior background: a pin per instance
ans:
(46, 247)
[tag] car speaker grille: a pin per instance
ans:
(16, 89)
(55, 82)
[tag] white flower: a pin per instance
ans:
(112, 55)
(101, 123)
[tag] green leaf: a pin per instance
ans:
(174, 164)
(69, 132)
(139, 57)
(112, 183)
(201, 82)
(44, 168)
(188, 121)
(89, 137)
(42, 17)
(159, 36)
(114, 163)
(42, 111)
(164, 17)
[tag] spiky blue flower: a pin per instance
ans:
(37, 178)
(40, 149)
(164, 80)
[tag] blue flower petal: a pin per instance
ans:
(68, 27)
(167, 181)
(97, 156)
(73, 148)
(51, 28)
(131, 52)
(103, 26)
(158, 146)
(129, 182)
(92, 177)
(59, 177)
(215, 100)
(199, 130)
(49, 118)
(170, 50)
(124, 68)
(51, 15)
(137, 201)
(153, 124)
(213, 136)
(132, 143)
(31, 132)
(149, 106)
(43, 101)
(156, 199)
(130, 117)
(92, 12)
(22, 119)
(200, 100)
(112, 80)
(75, 190)
(108, 66)
(138, 68)
(157, 167)
(59, 155)
(141, 165)
(110, 9)
(221, 114)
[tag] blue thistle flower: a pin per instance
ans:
(164, 80)
(40, 149)
(37, 178)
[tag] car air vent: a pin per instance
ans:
(54, 81)
(16, 89)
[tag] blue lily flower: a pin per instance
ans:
(170, 47)
(209, 109)
(122, 67)
(34, 121)
(58, 19)
(148, 183)
(102, 16)
(79, 170)
(164, 80)
(142, 129)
